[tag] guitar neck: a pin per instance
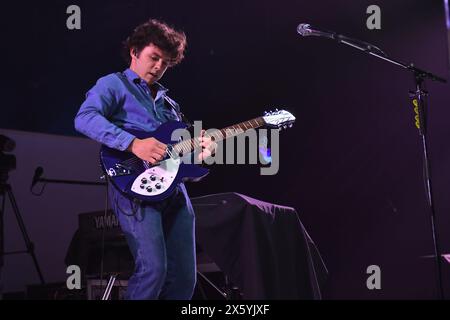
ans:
(219, 135)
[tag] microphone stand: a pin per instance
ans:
(71, 182)
(39, 171)
(37, 179)
(419, 101)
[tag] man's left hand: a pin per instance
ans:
(208, 146)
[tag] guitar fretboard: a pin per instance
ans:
(218, 135)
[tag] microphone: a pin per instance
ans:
(37, 174)
(305, 30)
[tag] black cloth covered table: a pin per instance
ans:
(262, 247)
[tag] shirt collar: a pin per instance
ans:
(133, 77)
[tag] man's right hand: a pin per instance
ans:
(149, 149)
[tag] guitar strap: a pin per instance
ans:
(180, 114)
(171, 103)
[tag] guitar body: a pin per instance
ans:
(139, 179)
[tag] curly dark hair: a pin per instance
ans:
(169, 40)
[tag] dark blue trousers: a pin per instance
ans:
(161, 237)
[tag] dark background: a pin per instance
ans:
(352, 164)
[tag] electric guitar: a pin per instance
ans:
(148, 182)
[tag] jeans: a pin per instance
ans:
(161, 238)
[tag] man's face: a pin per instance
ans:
(150, 64)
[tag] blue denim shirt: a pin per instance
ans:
(121, 101)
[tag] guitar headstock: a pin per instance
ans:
(279, 119)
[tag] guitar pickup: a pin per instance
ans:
(119, 170)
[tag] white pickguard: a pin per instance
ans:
(157, 179)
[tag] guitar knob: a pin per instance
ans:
(144, 181)
(152, 177)
(158, 186)
(142, 186)
(149, 189)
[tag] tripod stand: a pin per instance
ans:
(5, 189)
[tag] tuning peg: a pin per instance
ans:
(290, 125)
(265, 113)
(285, 127)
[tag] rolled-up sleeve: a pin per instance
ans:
(93, 116)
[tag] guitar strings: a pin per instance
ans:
(185, 147)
